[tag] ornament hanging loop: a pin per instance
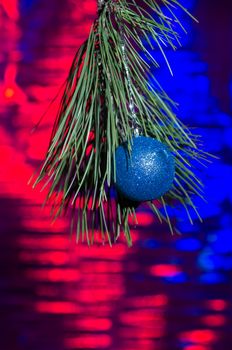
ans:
(100, 5)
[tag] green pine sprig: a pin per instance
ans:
(94, 119)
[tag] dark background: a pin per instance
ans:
(166, 292)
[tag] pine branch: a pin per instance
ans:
(94, 119)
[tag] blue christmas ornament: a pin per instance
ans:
(145, 174)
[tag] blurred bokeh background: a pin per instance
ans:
(166, 292)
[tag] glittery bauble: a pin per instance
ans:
(145, 174)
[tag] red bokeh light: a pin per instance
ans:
(156, 301)
(213, 320)
(11, 8)
(88, 341)
(96, 324)
(9, 92)
(165, 270)
(54, 274)
(202, 336)
(216, 304)
(45, 258)
(196, 347)
(56, 307)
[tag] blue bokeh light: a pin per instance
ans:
(191, 87)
